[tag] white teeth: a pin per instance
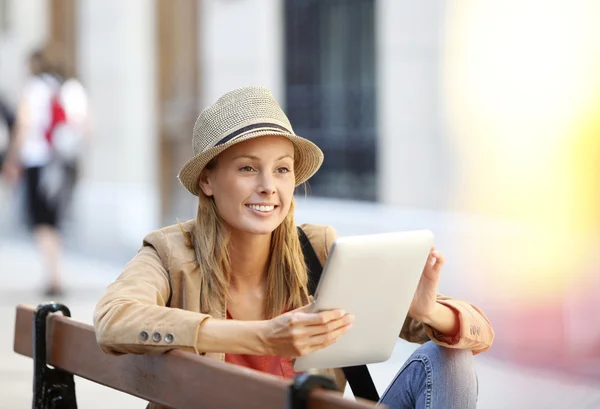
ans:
(261, 208)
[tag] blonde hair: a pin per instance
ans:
(287, 275)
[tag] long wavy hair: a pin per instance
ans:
(287, 272)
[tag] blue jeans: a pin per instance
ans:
(434, 377)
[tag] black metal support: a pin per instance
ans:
(53, 388)
(301, 387)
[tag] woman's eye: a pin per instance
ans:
(246, 169)
(283, 170)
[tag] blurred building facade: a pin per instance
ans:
(359, 78)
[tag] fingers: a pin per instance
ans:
(322, 340)
(430, 259)
(305, 318)
(312, 325)
(331, 326)
(326, 336)
(300, 332)
(436, 259)
(439, 260)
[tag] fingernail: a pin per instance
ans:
(342, 313)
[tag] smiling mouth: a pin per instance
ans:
(261, 208)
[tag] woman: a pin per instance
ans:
(236, 274)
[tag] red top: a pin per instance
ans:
(274, 365)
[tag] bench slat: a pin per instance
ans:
(177, 379)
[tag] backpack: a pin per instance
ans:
(357, 376)
(58, 117)
(63, 134)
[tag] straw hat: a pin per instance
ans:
(239, 115)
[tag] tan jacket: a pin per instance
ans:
(131, 316)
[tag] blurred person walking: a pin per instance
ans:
(50, 128)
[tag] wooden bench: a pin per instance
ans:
(176, 379)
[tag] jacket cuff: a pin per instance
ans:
(181, 334)
(451, 341)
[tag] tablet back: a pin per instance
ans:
(373, 277)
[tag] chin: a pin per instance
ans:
(262, 230)
(259, 228)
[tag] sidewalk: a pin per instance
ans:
(501, 385)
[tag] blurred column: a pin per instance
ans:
(178, 100)
(242, 44)
(24, 27)
(63, 30)
(118, 197)
(412, 160)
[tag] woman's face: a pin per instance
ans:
(253, 184)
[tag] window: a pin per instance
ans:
(330, 90)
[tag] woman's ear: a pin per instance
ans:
(204, 183)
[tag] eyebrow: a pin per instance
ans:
(257, 158)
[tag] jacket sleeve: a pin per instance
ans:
(132, 317)
(475, 331)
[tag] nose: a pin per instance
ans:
(267, 184)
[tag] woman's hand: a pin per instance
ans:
(300, 332)
(424, 304)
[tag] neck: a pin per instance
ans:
(249, 255)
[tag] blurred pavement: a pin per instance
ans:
(502, 385)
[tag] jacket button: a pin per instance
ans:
(169, 338)
(144, 336)
(156, 337)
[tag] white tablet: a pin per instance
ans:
(373, 277)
